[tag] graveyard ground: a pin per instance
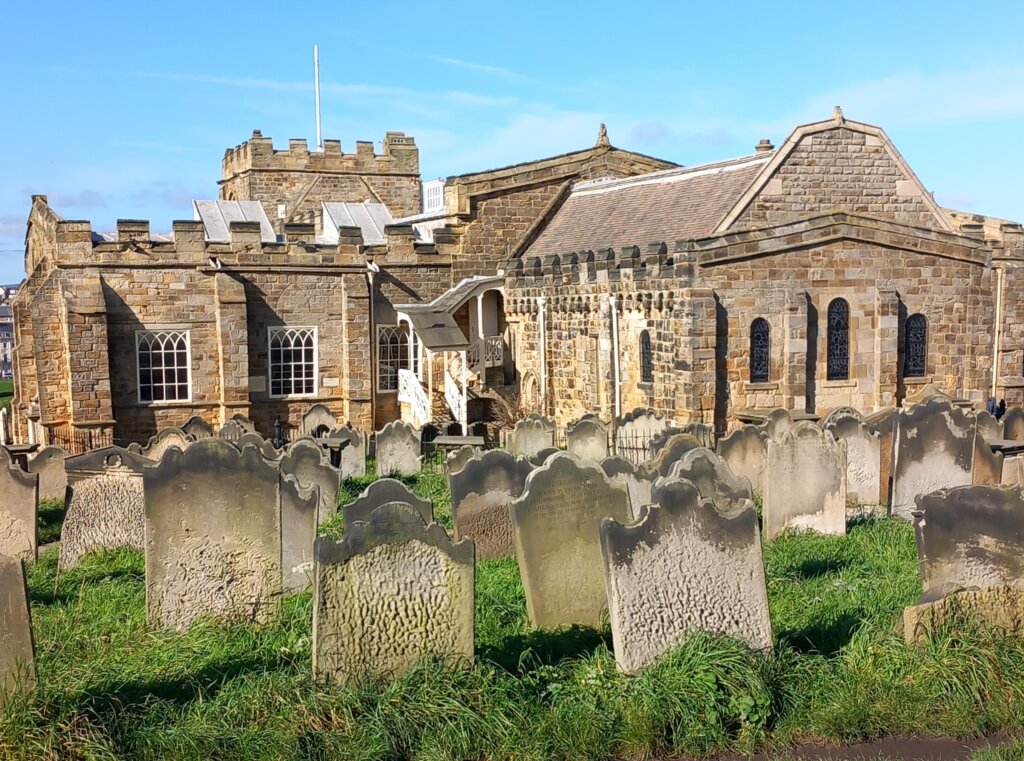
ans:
(111, 688)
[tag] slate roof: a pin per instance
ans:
(669, 205)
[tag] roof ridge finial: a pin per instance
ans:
(837, 115)
(602, 138)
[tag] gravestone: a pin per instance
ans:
(235, 428)
(840, 413)
(353, 455)
(308, 463)
(863, 458)
(805, 482)
(530, 436)
(53, 478)
(105, 505)
(197, 428)
(213, 535)
(265, 446)
(634, 432)
(713, 478)
(380, 492)
(673, 451)
(393, 591)
(1013, 424)
(746, 451)
(637, 480)
(457, 460)
(299, 508)
(317, 422)
(165, 439)
(398, 449)
(556, 524)
(587, 439)
(481, 494)
(989, 428)
(776, 423)
(542, 456)
(987, 465)
(658, 442)
(687, 565)
(17, 653)
(19, 510)
(703, 432)
(999, 608)
(934, 450)
(883, 422)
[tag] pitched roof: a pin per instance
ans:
(371, 218)
(217, 217)
(668, 205)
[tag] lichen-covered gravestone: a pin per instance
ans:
(353, 454)
(556, 526)
(481, 494)
(637, 479)
(805, 482)
(457, 460)
(713, 478)
(676, 446)
(777, 422)
(308, 463)
(398, 449)
(19, 510)
(299, 507)
(165, 439)
(587, 439)
(687, 565)
(530, 436)
(381, 492)
(863, 457)
(17, 654)
(393, 591)
(265, 446)
(1013, 424)
(746, 451)
(634, 432)
(105, 506)
(53, 478)
(213, 535)
(988, 426)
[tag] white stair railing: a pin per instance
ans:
(411, 392)
(494, 351)
(455, 398)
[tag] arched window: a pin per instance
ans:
(293, 363)
(760, 351)
(392, 355)
(915, 347)
(838, 340)
(646, 358)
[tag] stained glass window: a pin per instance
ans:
(915, 347)
(646, 358)
(838, 340)
(760, 351)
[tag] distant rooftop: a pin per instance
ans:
(217, 217)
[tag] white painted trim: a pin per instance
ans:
(138, 367)
(271, 330)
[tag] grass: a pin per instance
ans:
(109, 687)
(51, 519)
(6, 392)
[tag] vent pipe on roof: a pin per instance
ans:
(764, 146)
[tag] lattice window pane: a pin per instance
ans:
(838, 340)
(164, 365)
(392, 355)
(915, 347)
(292, 361)
(646, 358)
(760, 351)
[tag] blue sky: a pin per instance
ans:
(126, 111)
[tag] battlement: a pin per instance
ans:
(400, 156)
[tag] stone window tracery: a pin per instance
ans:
(838, 347)
(915, 347)
(293, 360)
(760, 351)
(646, 358)
(392, 355)
(164, 362)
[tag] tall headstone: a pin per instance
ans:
(53, 478)
(393, 591)
(687, 565)
(19, 510)
(398, 449)
(746, 451)
(481, 494)
(197, 428)
(677, 446)
(637, 480)
(105, 506)
(309, 464)
(805, 483)
(299, 507)
(17, 653)
(863, 458)
(1013, 424)
(318, 421)
(587, 439)
(883, 422)
(713, 478)
(381, 492)
(556, 525)
(530, 436)
(353, 455)
(213, 535)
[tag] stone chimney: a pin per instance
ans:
(764, 146)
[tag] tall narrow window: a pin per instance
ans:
(646, 358)
(392, 355)
(760, 351)
(293, 361)
(838, 340)
(164, 366)
(915, 347)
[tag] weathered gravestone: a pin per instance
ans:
(1013, 424)
(164, 439)
(677, 446)
(746, 451)
(457, 460)
(481, 494)
(634, 432)
(105, 505)
(17, 654)
(687, 565)
(587, 439)
(381, 492)
(883, 422)
(398, 449)
(265, 446)
(308, 463)
(53, 478)
(776, 423)
(353, 454)
(318, 421)
(989, 428)
(713, 478)
(530, 436)
(213, 535)
(19, 510)
(840, 413)
(556, 525)
(805, 482)
(863, 457)
(987, 465)
(658, 443)
(637, 480)
(197, 428)
(299, 507)
(703, 432)
(393, 591)
(542, 456)
(235, 428)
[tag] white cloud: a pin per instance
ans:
(498, 71)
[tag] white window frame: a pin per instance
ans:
(403, 358)
(139, 336)
(277, 329)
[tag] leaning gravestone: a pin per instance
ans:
(381, 492)
(457, 460)
(637, 480)
(105, 506)
(934, 450)
(393, 591)
(398, 449)
(353, 454)
(213, 535)
(587, 439)
(19, 510)
(556, 528)
(805, 483)
(713, 478)
(53, 478)
(308, 463)
(863, 458)
(198, 428)
(1013, 424)
(746, 451)
(530, 436)
(481, 494)
(299, 507)
(677, 446)
(776, 423)
(687, 565)
(17, 654)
